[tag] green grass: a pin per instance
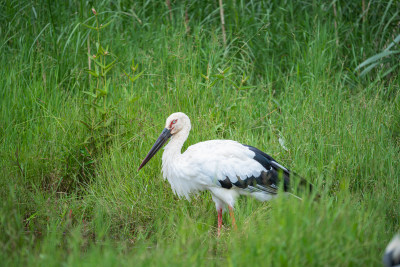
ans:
(63, 202)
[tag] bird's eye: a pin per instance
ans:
(174, 121)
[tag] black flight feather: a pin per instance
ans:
(269, 180)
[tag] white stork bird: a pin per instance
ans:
(224, 167)
(391, 258)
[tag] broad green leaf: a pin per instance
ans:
(87, 141)
(137, 76)
(212, 84)
(105, 25)
(368, 69)
(93, 73)
(106, 71)
(102, 92)
(375, 58)
(225, 70)
(89, 93)
(110, 65)
(134, 68)
(90, 27)
(96, 61)
(395, 42)
(204, 76)
(32, 216)
(96, 106)
(100, 50)
(127, 75)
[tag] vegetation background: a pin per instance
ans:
(313, 83)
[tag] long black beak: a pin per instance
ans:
(164, 136)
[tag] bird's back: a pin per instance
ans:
(222, 158)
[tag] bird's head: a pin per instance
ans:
(176, 123)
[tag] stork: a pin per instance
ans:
(226, 168)
(391, 258)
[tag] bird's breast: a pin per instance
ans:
(182, 178)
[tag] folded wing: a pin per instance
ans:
(233, 165)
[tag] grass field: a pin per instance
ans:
(71, 139)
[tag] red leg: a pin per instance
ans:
(233, 217)
(219, 221)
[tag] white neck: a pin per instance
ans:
(173, 161)
(174, 147)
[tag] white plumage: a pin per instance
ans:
(226, 168)
(202, 165)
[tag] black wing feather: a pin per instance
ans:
(268, 181)
(273, 174)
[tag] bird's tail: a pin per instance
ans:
(302, 185)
